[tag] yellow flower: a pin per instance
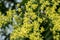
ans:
(33, 15)
(19, 9)
(40, 20)
(42, 29)
(34, 6)
(18, 5)
(26, 19)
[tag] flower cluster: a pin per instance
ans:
(29, 26)
(35, 20)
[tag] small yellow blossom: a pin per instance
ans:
(34, 6)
